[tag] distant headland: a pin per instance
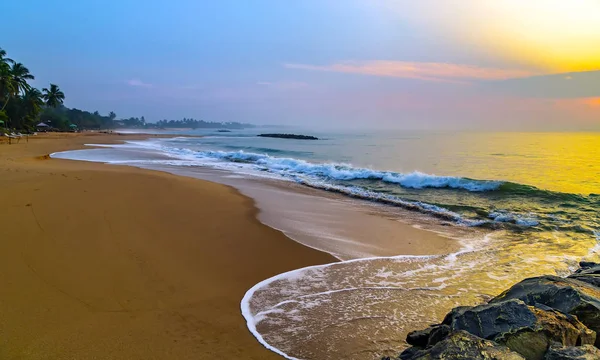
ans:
(289, 136)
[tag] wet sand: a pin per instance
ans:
(115, 262)
(333, 223)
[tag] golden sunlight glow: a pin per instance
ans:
(592, 102)
(556, 35)
(549, 35)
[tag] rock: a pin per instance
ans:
(411, 353)
(541, 318)
(290, 136)
(460, 345)
(591, 270)
(592, 279)
(428, 337)
(459, 310)
(438, 334)
(419, 338)
(569, 296)
(585, 352)
(524, 329)
(588, 272)
(492, 320)
(552, 327)
(588, 267)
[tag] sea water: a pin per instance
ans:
(516, 204)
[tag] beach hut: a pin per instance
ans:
(73, 127)
(42, 127)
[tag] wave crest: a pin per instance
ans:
(347, 172)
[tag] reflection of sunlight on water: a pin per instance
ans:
(364, 309)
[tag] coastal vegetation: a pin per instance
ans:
(22, 107)
(197, 124)
(20, 103)
(62, 117)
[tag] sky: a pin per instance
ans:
(427, 64)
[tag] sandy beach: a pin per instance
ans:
(114, 262)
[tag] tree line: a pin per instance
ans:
(62, 118)
(198, 124)
(21, 103)
(22, 107)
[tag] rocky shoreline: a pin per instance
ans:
(540, 318)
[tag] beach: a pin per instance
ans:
(205, 246)
(104, 262)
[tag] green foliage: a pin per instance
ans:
(55, 118)
(53, 96)
(22, 107)
(62, 117)
(20, 76)
(132, 122)
(198, 124)
(6, 84)
(21, 104)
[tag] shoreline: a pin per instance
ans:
(92, 267)
(344, 227)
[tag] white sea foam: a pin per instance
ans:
(319, 176)
(253, 319)
(338, 171)
(332, 171)
(506, 216)
(370, 276)
(595, 250)
(365, 194)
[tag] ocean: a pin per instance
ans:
(512, 205)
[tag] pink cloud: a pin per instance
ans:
(426, 71)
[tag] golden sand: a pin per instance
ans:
(115, 262)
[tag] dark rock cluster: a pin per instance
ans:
(540, 318)
(289, 136)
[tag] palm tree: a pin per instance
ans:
(6, 84)
(20, 75)
(6, 87)
(17, 78)
(3, 57)
(112, 115)
(4, 60)
(53, 97)
(33, 102)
